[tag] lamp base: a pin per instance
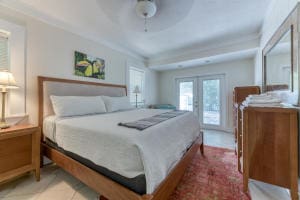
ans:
(4, 125)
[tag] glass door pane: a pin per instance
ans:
(186, 95)
(211, 100)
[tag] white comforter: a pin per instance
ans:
(128, 152)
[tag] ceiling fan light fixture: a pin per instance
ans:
(145, 8)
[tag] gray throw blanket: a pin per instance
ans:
(151, 121)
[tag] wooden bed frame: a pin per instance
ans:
(107, 188)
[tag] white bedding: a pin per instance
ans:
(128, 152)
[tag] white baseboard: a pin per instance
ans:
(227, 130)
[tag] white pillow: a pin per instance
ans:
(117, 103)
(67, 106)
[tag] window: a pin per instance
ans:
(136, 78)
(12, 58)
(4, 59)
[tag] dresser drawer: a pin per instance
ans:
(15, 152)
(19, 151)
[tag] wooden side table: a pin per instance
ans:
(19, 151)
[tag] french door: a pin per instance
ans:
(187, 95)
(205, 96)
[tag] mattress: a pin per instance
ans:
(127, 152)
(136, 184)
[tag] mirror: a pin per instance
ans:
(278, 65)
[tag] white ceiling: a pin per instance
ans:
(177, 28)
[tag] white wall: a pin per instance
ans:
(276, 14)
(238, 73)
(50, 52)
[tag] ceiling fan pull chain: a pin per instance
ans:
(146, 30)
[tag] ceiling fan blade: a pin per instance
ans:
(169, 13)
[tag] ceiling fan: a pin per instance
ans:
(145, 9)
(152, 15)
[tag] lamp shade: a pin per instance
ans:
(137, 90)
(7, 80)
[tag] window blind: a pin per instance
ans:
(4, 53)
(137, 78)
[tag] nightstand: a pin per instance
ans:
(19, 151)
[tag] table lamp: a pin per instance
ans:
(7, 81)
(136, 91)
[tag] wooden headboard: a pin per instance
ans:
(65, 87)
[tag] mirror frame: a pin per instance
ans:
(290, 24)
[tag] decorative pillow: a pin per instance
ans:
(117, 103)
(67, 106)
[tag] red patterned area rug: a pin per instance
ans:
(213, 176)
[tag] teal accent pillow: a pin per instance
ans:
(165, 106)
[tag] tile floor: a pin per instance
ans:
(219, 139)
(56, 184)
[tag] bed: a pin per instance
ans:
(118, 162)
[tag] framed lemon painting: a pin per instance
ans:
(89, 66)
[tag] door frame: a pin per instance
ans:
(224, 99)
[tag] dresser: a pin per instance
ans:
(270, 146)
(239, 95)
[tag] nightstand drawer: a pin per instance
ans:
(15, 152)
